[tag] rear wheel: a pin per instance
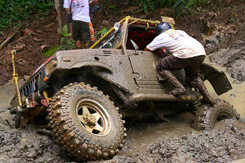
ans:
(206, 116)
(86, 123)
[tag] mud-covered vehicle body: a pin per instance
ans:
(86, 93)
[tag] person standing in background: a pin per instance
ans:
(82, 28)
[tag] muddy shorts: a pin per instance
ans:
(80, 31)
(190, 65)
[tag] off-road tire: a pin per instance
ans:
(72, 135)
(205, 116)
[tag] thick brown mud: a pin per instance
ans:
(23, 145)
(223, 144)
(148, 140)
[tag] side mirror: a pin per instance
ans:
(135, 47)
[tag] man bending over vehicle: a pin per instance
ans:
(187, 53)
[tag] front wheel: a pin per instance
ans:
(86, 123)
(206, 116)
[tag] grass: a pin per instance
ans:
(51, 51)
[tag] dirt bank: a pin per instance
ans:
(233, 57)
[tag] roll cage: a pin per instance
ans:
(120, 35)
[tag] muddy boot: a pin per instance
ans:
(198, 83)
(179, 88)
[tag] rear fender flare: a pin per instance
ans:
(218, 79)
(92, 64)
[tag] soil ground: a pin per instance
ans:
(223, 20)
(219, 28)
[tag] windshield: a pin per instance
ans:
(113, 40)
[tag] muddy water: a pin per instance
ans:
(142, 133)
(7, 91)
(235, 97)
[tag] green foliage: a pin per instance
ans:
(151, 4)
(12, 11)
(111, 7)
(187, 6)
(101, 33)
(179, 6)
(66, 42)
(51, 51)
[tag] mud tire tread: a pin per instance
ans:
(205, 116)
(79, 143)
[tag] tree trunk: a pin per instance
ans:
(57, 7)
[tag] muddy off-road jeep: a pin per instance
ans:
(85, 94)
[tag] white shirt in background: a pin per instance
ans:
(179, 43)
(79, 9)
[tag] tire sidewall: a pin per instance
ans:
(206, 116)
(112, 113)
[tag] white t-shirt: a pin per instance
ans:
(180, 44)
(79, 9)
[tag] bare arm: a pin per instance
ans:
(68, 10)
(92, 2)
(160, 52)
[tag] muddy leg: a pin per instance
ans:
(179, 88)
(198, 83)
(78, 44)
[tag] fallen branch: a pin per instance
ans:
(44, 132)
(138, 11)
(49, 25)
(9, 123)
(10, 37)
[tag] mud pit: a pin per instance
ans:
(148, 141)
(224, 144)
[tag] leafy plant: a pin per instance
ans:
(51, 51)
(111, 7)
(187, 6)
(179, 6)
(101, 33)
(12, 11)
(66, 42)
(150, 4)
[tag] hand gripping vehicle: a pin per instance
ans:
(85, 93)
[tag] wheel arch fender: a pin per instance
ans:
(218, 79)
(76, 73)
(92, 64)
